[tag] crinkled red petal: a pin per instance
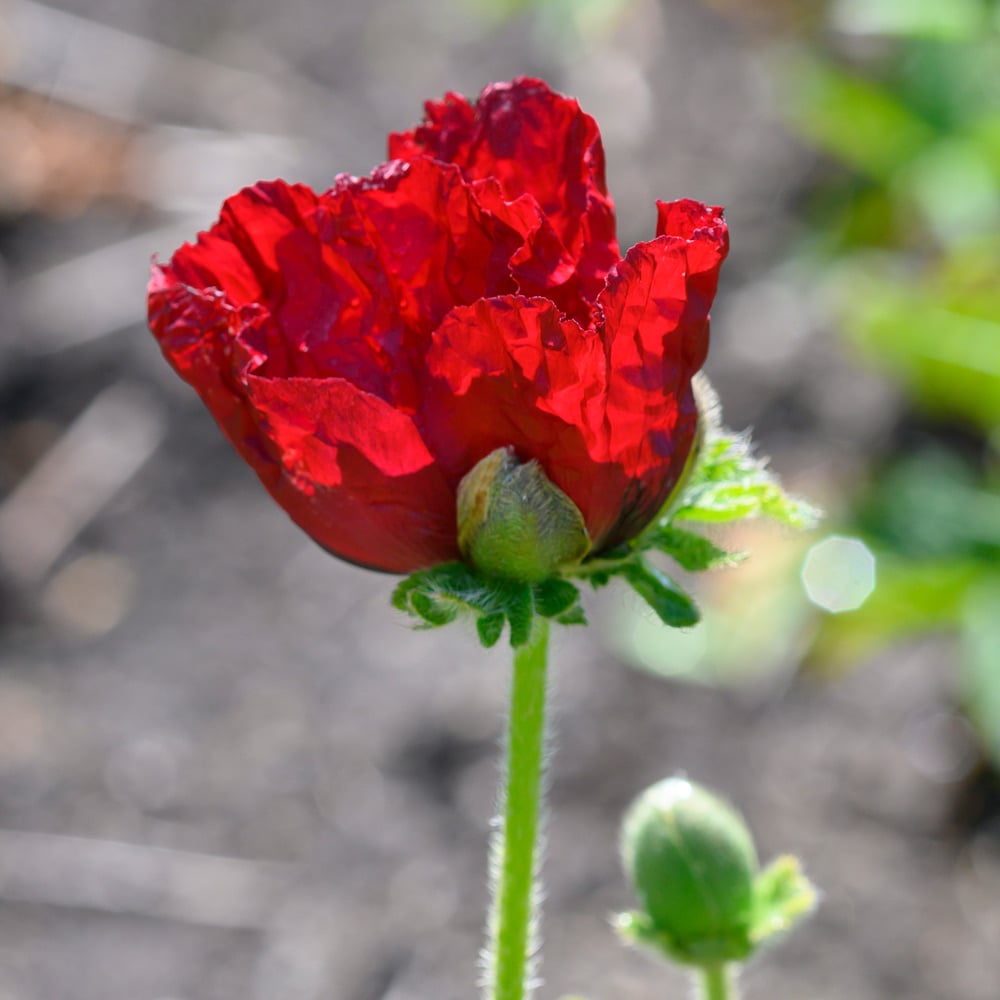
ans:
(514, 371)
(534, 142)
(656, 325)
(347, 467)
(241, 254)
(362, 348)
(355, 473)
(542, 266)
(355, 279)
(265, 252)
(706, 242)
(194, 329)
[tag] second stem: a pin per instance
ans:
(717, 983)
(511, 943)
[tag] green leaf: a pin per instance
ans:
(490, 628)
(730, 483)
(948, 359)
(520, 610)
(860, 122)
(636, 929)
(689, 550)
(782, 897)
(432, 609)
(954, 21)
(575, 616)
(980, 678)
(555, 597)
(913, 597)
(672, 604)
(439, 595)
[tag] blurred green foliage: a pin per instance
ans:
(903, 237)
(904, 97)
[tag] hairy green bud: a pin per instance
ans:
(693, 865)
(514, 522)
(692, 862)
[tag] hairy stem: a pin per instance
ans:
(717, 983)
(511, 944)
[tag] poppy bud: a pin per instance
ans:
(692, 864)
(514, 522)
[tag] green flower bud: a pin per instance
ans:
(692, 863)
(514, 522)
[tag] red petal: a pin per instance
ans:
(534, 142)
(193, 329)
(542, 266)
(691, 220)
(354, 473)
(514, 371)
(354, 280)
(240, 253)
(655, 310)
(347, 467)
(418, 233)
(706, 237)
(265, 253)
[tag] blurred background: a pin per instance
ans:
(227, 769)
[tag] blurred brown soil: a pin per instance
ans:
(227, 769)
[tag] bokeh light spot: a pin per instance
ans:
(839, 574)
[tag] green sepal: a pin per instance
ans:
(432, 610)
(672, 604)
(519, 611)
(440, 595)
(555, 597)
(730, 483)
(516, 580)
(636, 928)
(489, 628)
(690, 550)
(783, 896)
(574, 616)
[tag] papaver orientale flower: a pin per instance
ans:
(364, 348)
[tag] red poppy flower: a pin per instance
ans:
(365, 347)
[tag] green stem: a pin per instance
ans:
(717, 983)
(513, 916)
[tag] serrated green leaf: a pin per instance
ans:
(730, 483)
(554, 597)
(401, 595)
(520, 611)
(734, 501)
(782, 897)
(439, 595)
(690, 550)
(575, 616)
(670, 602)
(490, 628)
(432, 609)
